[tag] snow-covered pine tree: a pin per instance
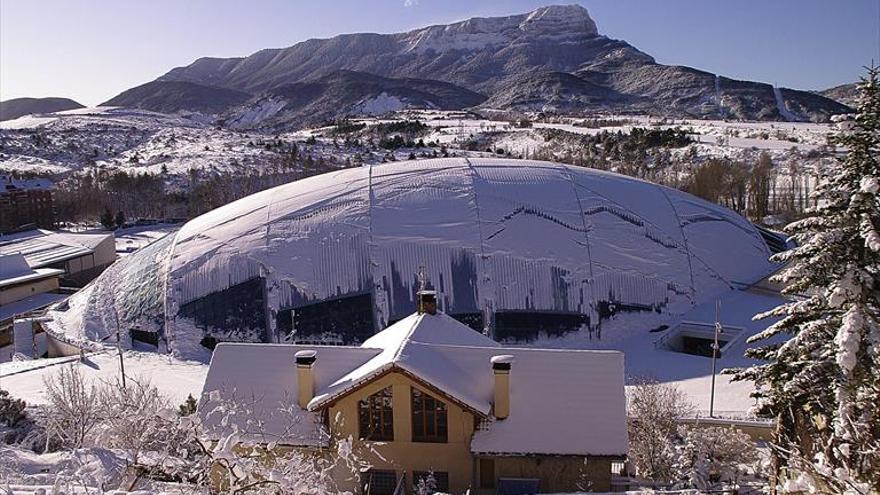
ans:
(823, 384)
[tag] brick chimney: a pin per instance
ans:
(305, 376)
(427, 302)
(501, 369)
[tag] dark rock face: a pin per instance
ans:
(174, 96)
(17, 107)
(550, 59)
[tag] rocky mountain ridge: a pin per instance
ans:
(551, 59)
(17, 107)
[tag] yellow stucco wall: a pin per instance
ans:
(557, 473)
(404, 455)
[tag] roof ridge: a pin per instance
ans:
(407, 338)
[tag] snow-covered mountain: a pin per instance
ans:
(845, 93)
(553, 58)
(17, 107)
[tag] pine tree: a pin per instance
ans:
(823, 384)
(188, 407)
(119, 221)
(107, 218)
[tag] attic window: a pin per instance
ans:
(429, 423)
(376, 416)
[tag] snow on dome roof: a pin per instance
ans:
(499, 240)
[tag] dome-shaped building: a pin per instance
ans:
(515, 248)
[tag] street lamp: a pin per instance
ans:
(718, 330)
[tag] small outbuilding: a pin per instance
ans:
(22, 290)
(81, 256)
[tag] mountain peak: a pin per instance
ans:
(559, 18)
(556, 22)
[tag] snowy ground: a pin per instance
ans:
(175, 379)
(84, 471)
(140, 141)
(451, 127)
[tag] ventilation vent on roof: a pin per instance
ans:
(697, 338)
(775, 241)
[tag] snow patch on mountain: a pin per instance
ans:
(783, 110)
(380, 104)
(257, 112)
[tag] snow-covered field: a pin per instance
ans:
(110, 138)
(173, 378)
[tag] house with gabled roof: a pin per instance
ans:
(431, 395)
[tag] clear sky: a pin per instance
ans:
(90, 50)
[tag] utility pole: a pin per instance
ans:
(718, 330)
(118, 335)
(119, 349)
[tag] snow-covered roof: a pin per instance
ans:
(14, 270)
(398, 350)
(261, 380)
(42, 248)
(493, 237)
(563, 402)
(28, 304)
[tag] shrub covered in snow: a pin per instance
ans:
(188, 407)
(711, 457)
(115, 436)
(12, 410)
(654, 410)
(74, 409)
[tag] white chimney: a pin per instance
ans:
(501, 368)
(305, 376)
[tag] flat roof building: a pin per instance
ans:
(22, 290)
(80, 256)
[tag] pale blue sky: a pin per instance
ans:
(90, 50)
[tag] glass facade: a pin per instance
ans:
(529, 325)
(240, 309)
(345, 320)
